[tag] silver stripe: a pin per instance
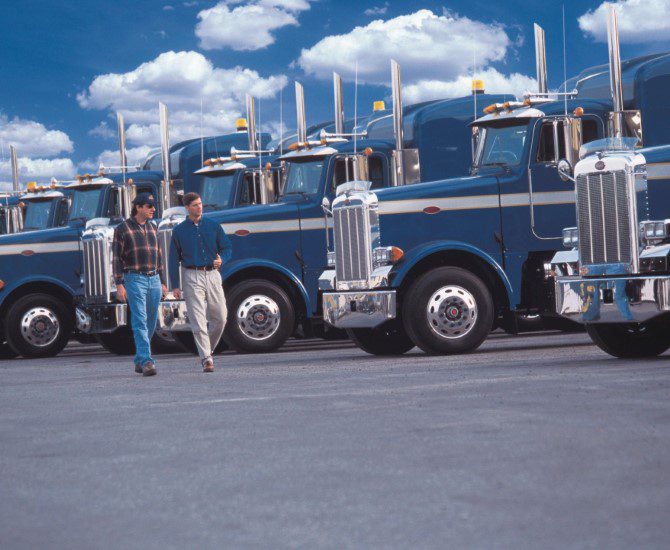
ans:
(39, 248)
(658, 171)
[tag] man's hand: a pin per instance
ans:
(163, 290)
(217, 262)
(177, 293)
(121, 293)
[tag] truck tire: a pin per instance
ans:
(184, 339)
(388, 338)
(7, 352)
(38, 325)
(163, 342)
(628, 341)
(448, 310)
(260, 317)
(119, 342)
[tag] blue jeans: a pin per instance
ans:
(144, 296)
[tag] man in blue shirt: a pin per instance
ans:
(201, 246)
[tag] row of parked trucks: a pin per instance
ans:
(417, 226)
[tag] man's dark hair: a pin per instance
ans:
(189, 198)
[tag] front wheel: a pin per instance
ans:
(388, 338)
(628, 341)
(6, 352)
(119, 342)
(38, 325)
(448, 310)
(261, 317)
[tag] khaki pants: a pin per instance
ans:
(205, 304)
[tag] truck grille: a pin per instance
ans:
(604, 219)
(353, 249)
(164, 240)
(97, 270)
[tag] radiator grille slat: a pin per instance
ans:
(603, 218)
(353, 252)
(97, 268)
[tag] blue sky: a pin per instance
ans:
(67, 67)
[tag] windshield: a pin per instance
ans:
(85, 204)
(37, 215)
(217, 191)
(501, 145)
(608, 144)
(303, 177)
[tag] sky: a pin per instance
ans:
(68, 67)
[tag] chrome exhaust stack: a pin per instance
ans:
(615, 72)
(540, 60)
(16, 186)
(122, 144)
(300, 113)
(339, 104)
(251, 124)
(164, 198)
(406, 167)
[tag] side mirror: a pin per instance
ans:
(565, 170)
(325, 205)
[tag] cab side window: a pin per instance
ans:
(545, 150)
(343, 171)
(376, 171)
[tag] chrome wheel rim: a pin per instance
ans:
(258, 317)
(40, 327)
(451, 312)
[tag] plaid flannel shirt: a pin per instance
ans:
(136, 248)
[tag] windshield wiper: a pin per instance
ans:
(492, 164)
(79, 219)
(302, 193)
(209, 204)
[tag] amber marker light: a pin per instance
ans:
(131, 181)
(268, 166)
(490, 109)
(396, 254)
(367, 151)
(379, 106)
(293, 146)
(241, 124)
(2, 284)
(578, 112)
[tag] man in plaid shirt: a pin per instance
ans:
(139, 277)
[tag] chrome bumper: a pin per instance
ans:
(612, 300)
(93, 319)
(364, 309)
(172, 316)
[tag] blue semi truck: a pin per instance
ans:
(439, 264)
(279, 248)
(43, 273)
(614, 277)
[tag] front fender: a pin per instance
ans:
(235, 266)
(415, 255)
(35, 281)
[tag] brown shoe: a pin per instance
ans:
(208, 366)
(149, 369)
(138, 368)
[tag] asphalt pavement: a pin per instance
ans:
(540, 441)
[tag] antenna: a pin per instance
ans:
(122, 144)
(355, 107)
(281, 122)
(165, 156)
(565, 69)
(474, 78)
(202, 138)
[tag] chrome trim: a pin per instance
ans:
(173, 316)
(612, 300)
(359, 309)
(96, 245)
(94, 319)
(615, 70)
(398, 130)
(122, 144)
(300, 112)
(339, 104)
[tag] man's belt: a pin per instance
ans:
(200, 267)
(138, 272)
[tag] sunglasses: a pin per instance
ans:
(149, 205)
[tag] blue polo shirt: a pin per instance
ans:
(197, 245)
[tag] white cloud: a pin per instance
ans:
(248, 26)
(639, 21)
(102, 130)
(494, 81)
(377, 10)
(427, 46)
(168, 7)
(134, 155)
(179, 79)
(38, 169)
(32, 138)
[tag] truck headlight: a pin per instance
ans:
(570, 237)
(654, 231)
(331, 259)
(385, 255)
